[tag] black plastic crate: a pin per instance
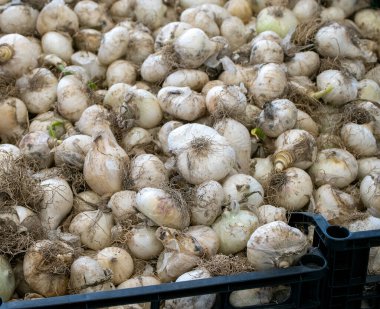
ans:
(306, 280)
(348, 285)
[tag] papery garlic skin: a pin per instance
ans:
(344, 88)
(226, 100)
(234, 227)
(57, 202)
(72, 151)
(237, 135)
(292, 188)
(118, 260)
(182, 103)
(367, 165)
(277, 117)
(143, 243)
(93, 228)
(164, 133)
(276, 245)
(202, 301)
(38, 90)
(369, 193)
(207, 205)
(107, 161)
(265, 51)
(72, 98)
(368, 22)
(7, 279)
(251, 297)
(201, 153)
(334, 205)
(148, 170)
(245, 189)
(369, 90)
(269, 83)
(13, 119)
(162, 208)
(303, 64)
(358, 138)
(195, 79)
(269, 213)
(334, 166)
(306, 10)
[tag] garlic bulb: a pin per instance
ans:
(164, 133)
(240, 8)
(269, 213)
(232, 28)
(87, 275)
(150, 12)
(192, 302)
(306, 10)
(251, 297)
(105, 165)
(90, 62)
(265, 51)
(19, 19)
(18, 55)
(123, 205)
(194, 79)
(339, 88)
(114, 45)
(261, 169)
(368, 22)
(13, 119)
(277, 117)
(136, 138)
(294, 148)
(182, 103)
(226, 100)
(181, 253)
(121, 71)
(367, 165)
(88, 40)
(7, 279)
(344, 44)
(57, 43)
(90, 14)
(143, 244)
(168, 33)
(56, 16)
(46, 267)
(276, 18)
(201, 19)
(303, 64)
(269, 84)
(90, 118)
(291, 188)
(118, 261)
(234, 227)
(37, 146)
(86, 200)
(144, 107)
(244, 189)
(155, 68)
(306, 123)
(237, 135)
(57, 202)
(334, 166)
(38, 90)
(334, 205)
(72, 97)
(163, 208)
(192, 48)
(369, 193)
(201, 153)
(369, 90)
(93, 228)
(207, 204)
(276, 245)
(358, 138)
(72, 151)
(332, 13)
(147, 170)
(206, 237)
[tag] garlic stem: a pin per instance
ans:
(6, 53)
(319, 94)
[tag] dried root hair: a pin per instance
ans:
(225, 265)
(17, 186)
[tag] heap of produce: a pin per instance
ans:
(152, 141)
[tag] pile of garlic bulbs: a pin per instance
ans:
(142, 137)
